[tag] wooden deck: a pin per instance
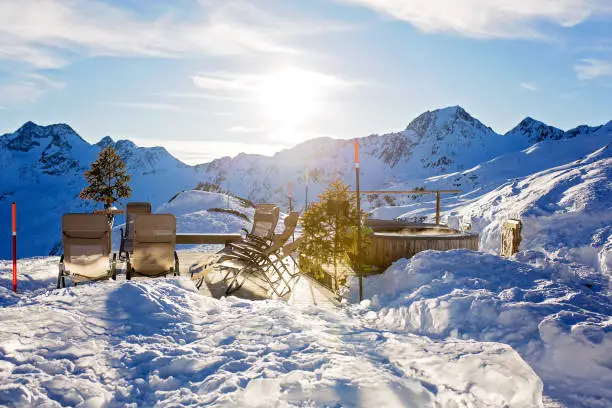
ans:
(305, 292)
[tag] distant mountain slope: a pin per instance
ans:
(566, 208)
(41, 167)
(435, 144)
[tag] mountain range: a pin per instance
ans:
(41, 167)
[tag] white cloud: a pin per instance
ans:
(146, 105)
(246, 83)
(245, 129)
(226, 82)
(26, 88)
(52, 83)
(488, 18)
(47, 34)
(593, 68)
(530, 87)
(201, 95)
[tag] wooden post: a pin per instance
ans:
(306, 199)
(510, 237)
(437, 207)
(359, 268)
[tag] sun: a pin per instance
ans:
(290, 97)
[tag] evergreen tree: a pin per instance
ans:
(107, 178)
(329, 227)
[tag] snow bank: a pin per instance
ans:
(192, 211)
(558, 321)
(566, 212)
(158, 342)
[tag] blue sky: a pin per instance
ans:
(217, 77)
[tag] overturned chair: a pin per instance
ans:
(86, 242)
(127, 234)
(264, 262)
(154, 247)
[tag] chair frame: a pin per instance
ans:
(131, 272)
(125, 233)
(262, 258)
(63, 272)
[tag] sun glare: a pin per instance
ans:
(290, 97)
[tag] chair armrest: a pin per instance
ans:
(259, 240)
(291, 247)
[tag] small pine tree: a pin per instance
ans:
(329, 227)
(107, 178)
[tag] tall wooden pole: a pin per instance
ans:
(14, 210)
(437, 207)
(228, 192)
(306, 199)
(359, 268)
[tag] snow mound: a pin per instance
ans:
(566, 212)
(192, 209)
(158, 342)
(558, 321)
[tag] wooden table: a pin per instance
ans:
(204, 238)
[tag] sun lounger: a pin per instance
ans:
(127, 235)
(86, 242)
(154, 246)
(263, 263)
(264, 223)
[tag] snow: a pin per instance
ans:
(558, 321)
(450, 329)
(159, 342)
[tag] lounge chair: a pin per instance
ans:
(261, 235)
(127, 235)
(264, 224)
(262, 232)
(154, 246)
(86, 242)
(263, 263)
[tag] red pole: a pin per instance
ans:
(360, 269)
(14, 247)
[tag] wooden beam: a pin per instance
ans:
(407, 192)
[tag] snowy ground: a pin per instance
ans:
(559, 322)
(159, 342)
(444, 329)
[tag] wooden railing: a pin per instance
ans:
(436, 192)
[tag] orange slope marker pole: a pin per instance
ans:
(359, 272)
(14, 247)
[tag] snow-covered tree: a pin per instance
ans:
(107, 179)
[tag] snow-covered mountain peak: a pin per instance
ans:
(441, 122)
(585, 130)
(535, 131)
(31, 135)
(105, 141)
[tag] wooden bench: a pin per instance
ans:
(204, 238)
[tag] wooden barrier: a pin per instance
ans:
(204, 238)
(384, 249)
